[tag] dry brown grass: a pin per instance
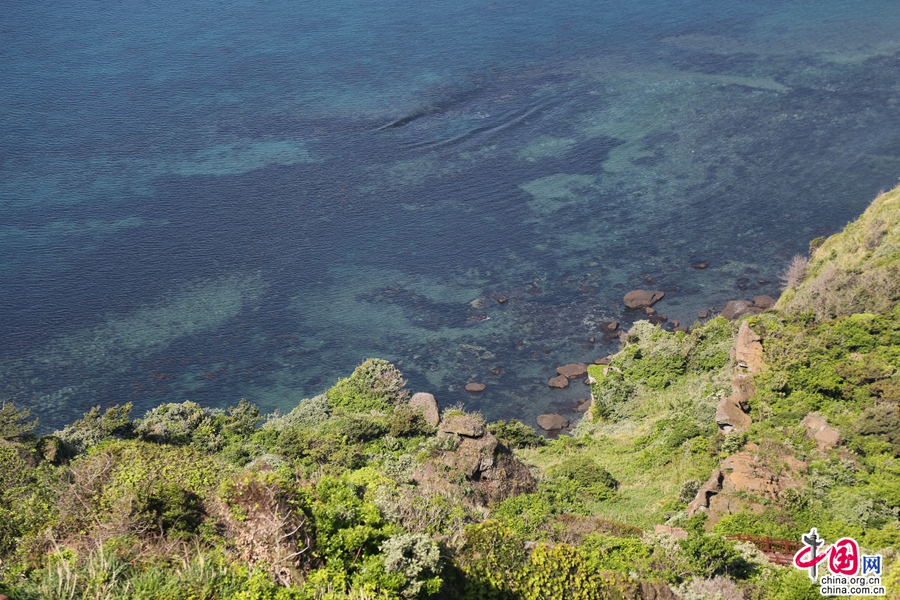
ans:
(795, 272)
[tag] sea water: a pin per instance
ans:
(214, 200)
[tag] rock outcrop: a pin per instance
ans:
(462, 425)
(431, 410)
(744, 480)
(817, 427)
(746, 360)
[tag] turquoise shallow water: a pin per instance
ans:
(218, 200)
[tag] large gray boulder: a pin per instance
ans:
(462, 425)
(431, 410)
(730, 416)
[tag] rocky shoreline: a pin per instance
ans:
(731, 414)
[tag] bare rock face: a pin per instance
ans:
(817, 427)
(572, 371)
(707, 490)
(559, 382)
(551, 422)
(764, 302)
(473, 455)
(747, 353)
(636, 299)
(731, 417)
(475, 387)
(742, 389)
(431, 410)
(737, 308)
(463, 426)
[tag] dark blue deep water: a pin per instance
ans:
(225, 199)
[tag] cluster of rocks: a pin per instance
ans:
(475, 452)
(746, 359)
(746, 474)
(736, 309)
(567, 372)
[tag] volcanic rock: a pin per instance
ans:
(430, 408)
(731, 417)
(462, 425)
(736, 308)
(764, 302)
(475, 387)
(560, 382)
(551, 422)
(572, 370)
(636, 299)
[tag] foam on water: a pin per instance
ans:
(211, 201)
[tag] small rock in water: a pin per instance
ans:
(475, 387)
(700, 265)
(702, 314)
(602, 361)
(500, 299)
(683, 328)
(636, 299)
(478, 303)
(590, 340)
(495, 371)
(551, 422)
(674, 324)
(559, 382)
(583, 405)
(741, 286)
(609, 326)
(657, 319)
(762, 281)
(650, 311)
(572, 371)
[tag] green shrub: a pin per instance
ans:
(181, 424)
(94, 427)
(414, 556)
(374, 385)
(308, 414)
(516, 434)
(14, 423)
(407, 421)
(492, 560)
(595, 481)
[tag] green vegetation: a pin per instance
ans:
(352, 494)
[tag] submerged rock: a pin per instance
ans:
(475, 387)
